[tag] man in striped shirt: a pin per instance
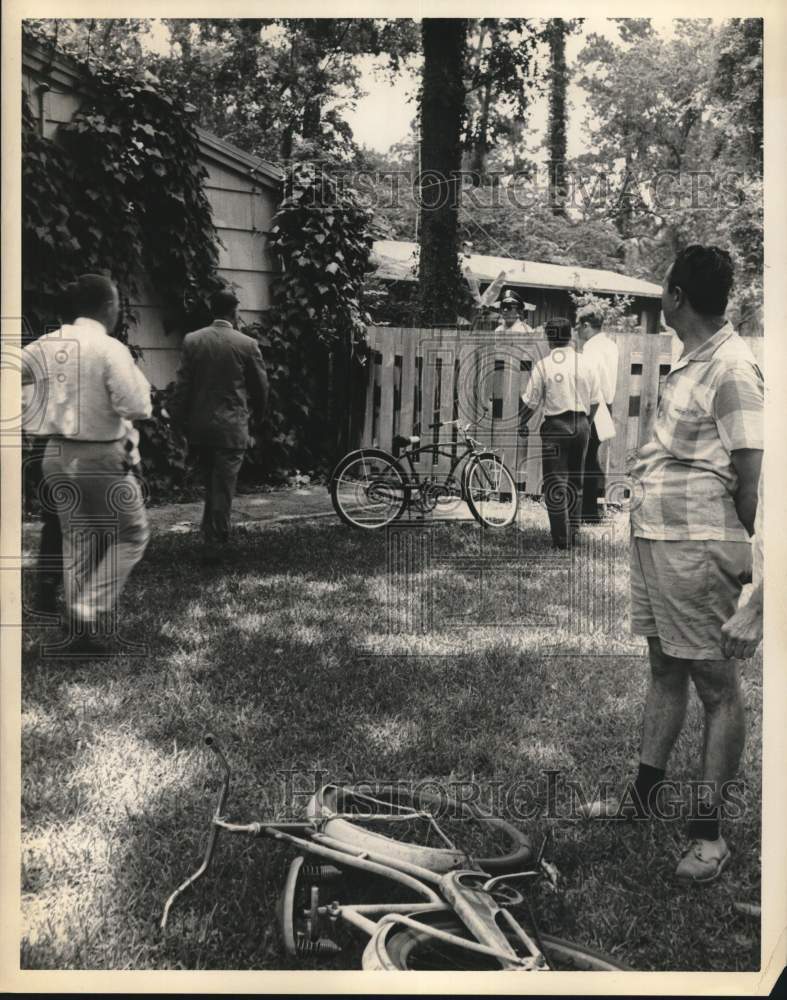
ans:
(694, 501)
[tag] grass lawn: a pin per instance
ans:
(300, 656)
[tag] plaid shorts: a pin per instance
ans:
(684, 591)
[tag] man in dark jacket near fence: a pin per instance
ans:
(221, 383)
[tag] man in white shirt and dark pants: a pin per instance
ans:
(568, 389)
(86, 390)
(600, 351)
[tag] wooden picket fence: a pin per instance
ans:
(417, 377)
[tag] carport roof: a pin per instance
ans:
(397, 260)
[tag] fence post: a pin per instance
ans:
(407, 394)
(648, 404)
(477, 360)
(616, 451)
(507, 437)
(387, 372)
(428, 435)
(371, 378)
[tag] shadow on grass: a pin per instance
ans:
(117, 790)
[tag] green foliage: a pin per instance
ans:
(392, 303)
(615, 310)
(555, 33)
(265, 83)
(115, 41)
(647, 98)
(163, 451)
(501, 80)
(322, 237)
(48, 245)
(677, 130)
(737, 89)
(121, 192)
(516, 221)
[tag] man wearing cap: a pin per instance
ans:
(569, 391)
(510, 319)
(221, 382)
(86, 392)
(600, 351)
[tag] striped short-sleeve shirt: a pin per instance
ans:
(683, 480)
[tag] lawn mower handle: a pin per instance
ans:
(210, 741)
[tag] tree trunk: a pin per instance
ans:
(310, 128)
(441, 289)
(478, 150)
(481, 147)
(285, 149)
(624, 214)
(106, 37)
(557, 116)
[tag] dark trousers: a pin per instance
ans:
(49, 565)
(220, 468)
(50, 551)
(593, 480)
(565, 440)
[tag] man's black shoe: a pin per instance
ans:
(84, 647)
(46, 596)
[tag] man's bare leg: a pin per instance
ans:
(665, 705)
(665, 712)
(718, 686)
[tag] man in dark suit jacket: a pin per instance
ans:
(221, 382)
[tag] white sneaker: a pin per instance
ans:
(704, 860)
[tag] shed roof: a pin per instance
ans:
(397, 261)
(224, 152)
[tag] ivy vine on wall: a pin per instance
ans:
(322, 236)
(120, 191)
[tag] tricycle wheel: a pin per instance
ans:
(304, 930)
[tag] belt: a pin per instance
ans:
(566, 414)
(74, 440)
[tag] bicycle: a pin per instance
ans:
(430, 907)
(370, 488)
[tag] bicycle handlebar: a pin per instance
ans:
(210, 741)
(455, 423)
(520, 849)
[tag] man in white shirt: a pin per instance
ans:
(510, 314)
(600, 351)
(86, 390)
(569, 391)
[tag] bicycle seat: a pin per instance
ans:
(333, 799)
(405, 442)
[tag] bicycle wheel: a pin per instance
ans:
(490, 491)
(399, 947)
(391, 823)
(368, 489)
(304, 931)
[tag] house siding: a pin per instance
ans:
(243, 202)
